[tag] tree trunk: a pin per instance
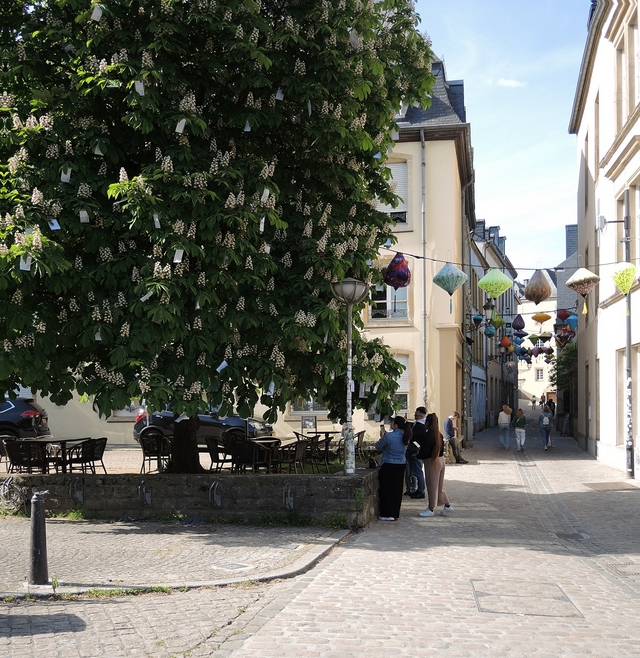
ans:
(185, 457)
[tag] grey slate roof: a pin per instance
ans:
(447, 103)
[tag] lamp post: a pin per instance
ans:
(349, 292)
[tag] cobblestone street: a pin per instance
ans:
(541, 557)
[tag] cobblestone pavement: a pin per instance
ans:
(541, 557)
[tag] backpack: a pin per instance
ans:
(545, 420)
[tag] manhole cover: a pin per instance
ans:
(625, 569)
(522, 598)
(613, 486)
(232, 566)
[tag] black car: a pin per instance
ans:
(161, 422)
(23, 418)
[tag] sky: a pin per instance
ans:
(520, 62)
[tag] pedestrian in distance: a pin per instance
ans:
(545, 422)
(434, 467)
(415, 471)
(450, 432)
(393, 446)
(504, 421)
(519, 423)
(552, 407)
(533, 401)
(542, 401)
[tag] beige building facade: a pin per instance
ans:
(606, 120)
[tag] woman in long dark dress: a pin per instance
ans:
(393, 445)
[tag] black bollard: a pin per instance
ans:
(38, 572)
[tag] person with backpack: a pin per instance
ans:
(415, 471)
(519, 423)
(545, 422)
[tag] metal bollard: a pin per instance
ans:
(38, 572)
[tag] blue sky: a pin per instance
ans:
(520, 62)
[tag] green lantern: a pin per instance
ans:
(494, 283)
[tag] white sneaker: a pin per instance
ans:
(386, 518)
(427, 512)
(447, 510)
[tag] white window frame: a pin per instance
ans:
(539, 374)
(404, 383)
(400, 176)
(381, 309)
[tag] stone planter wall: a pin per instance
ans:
(211, 496)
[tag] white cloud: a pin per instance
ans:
(508, 82)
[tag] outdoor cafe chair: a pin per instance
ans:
(244, 452)
(25, 457)
(217, 453)
(155, 448)
(358, 445)
(3, 453)
(86, 455)
(293, 456)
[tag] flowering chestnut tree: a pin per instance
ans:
(180, 183)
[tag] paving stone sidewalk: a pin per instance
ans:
(541, 558)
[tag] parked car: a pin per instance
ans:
(23, 418)
(211, 424)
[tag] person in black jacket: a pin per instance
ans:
(414, 462)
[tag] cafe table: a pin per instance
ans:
(272, 444)
(50, 440)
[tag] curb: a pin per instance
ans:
(321, 547)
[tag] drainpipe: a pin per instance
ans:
(628, 381)
(424, 271)
(467, 411)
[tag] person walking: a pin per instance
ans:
(552, 407)
(393, 446)
(450, 432)
(434, 467)
(519, 423)
(414, 463)
(545, 421)
(504, 421)
(533, 401)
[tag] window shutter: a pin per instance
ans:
(403, 380)
(400, 178)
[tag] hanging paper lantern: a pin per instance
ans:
(540, 317)
(494, 283)
(505, 342)
(450, 278)
(533, 338)
(518, 350)
(518, 340)
(563, 315)
(520, 333)
(535, 351)
(539, 287)
(544, 337)
(583, 282)
(624, 277)
(511, 349)
(498, 321)
(548, 350)
(489, 331)
(518, 322)
(477, 320)
(397, 275)
(572, 321)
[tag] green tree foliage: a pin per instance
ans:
(563, 369)
(181, 181)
